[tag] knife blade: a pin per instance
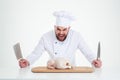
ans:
(17, 51)
(98, 51)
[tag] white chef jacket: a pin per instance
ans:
(66, 48)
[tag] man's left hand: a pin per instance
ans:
(97, 63)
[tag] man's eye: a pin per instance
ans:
(58, 29)
(64, 30)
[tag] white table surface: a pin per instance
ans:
(17, 73)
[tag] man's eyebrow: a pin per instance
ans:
(64, 28)
(58, 28)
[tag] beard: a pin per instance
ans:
(61, 37)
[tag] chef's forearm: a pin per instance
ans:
(89, 54)
(37, 52)
(32, 58)
(85, 49)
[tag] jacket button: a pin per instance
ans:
(55, 52)
(55, 42)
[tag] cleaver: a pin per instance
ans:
(17, 51)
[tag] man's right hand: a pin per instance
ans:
(23, 63)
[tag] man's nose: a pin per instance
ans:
(61, 32)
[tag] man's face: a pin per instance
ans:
(61, 32)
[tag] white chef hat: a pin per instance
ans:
(63, 18)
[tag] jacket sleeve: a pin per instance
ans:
(37, 52)
(85, 49)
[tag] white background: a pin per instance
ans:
(25, 21)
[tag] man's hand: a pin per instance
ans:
(97, 63)
(51, 64)
(23, 63)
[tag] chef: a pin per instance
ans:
(61, 42)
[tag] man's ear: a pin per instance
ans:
(69, 27)
(55, 26)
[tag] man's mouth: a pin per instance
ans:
(61, 35)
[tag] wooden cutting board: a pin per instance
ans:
(42, 69)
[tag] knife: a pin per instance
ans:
(17, 51)
(98, 52)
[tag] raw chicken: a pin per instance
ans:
(59, 63)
